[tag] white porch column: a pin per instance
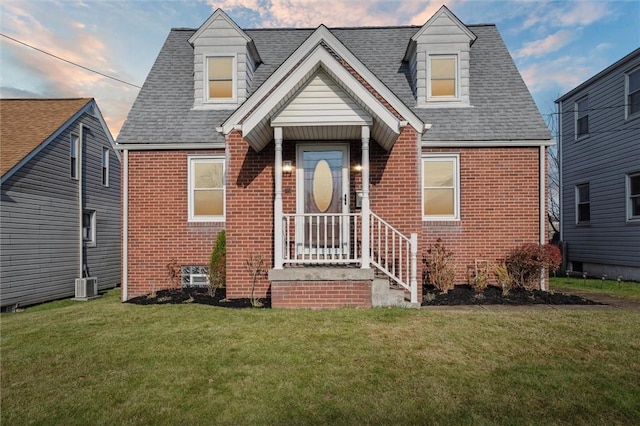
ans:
(366, 209)
(277, 203)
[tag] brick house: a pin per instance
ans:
(338, 155)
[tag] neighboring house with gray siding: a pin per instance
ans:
(60, 208)
(599, 142)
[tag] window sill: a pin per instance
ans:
(632, 117)
(582, 137)
(583, 225)
(444, 104)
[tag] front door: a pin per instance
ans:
(322, 225)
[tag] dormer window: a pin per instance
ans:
(221, 79)
(443, 77)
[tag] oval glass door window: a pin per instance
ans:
(322, 186)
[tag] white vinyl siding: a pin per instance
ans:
(441, 187)
(206, 189)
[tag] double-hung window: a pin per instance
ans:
(73, 156)
(633, 196)
(443, 77)
(633, 92)
(582, 117)
(206, 189)
(220, 78)
(583, 204)
(105, 166)
(89, 227)
(440, 187)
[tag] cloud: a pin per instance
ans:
(546, 45)
(562, 15)
(311, 13)
(33, 72)
(560, 74)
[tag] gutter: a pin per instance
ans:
(543, 212)
(125, 225)
(80, 201)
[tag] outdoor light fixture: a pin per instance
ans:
(357, 168)
(287, 167)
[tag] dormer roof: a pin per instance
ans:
(432, 23)
(219, 14)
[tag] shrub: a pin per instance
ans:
(480, 279)
(525, 264)
(504, 279)
(218, 264)
(440, 267)
(255, 266)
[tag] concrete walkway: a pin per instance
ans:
(609, 302)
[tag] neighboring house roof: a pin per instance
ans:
(599, 75)
(502, 107)
(28, 125)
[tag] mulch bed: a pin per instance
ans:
(465, 295)
(199, 295)
(460, 295)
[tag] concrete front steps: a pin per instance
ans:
(384, 294)
(333, 287)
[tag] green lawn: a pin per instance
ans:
(104, 362)
(625, 289)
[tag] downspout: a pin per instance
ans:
(80, 203)
(559, 154)
(543, 212)
(125, 223)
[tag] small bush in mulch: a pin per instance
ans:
(465, 295)
(199, 295)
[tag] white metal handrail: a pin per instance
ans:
(394, 254)
(321, 238)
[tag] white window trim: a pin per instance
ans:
(577, 203)
(575, 118)
(234, 74)
(73, 154)
(444, 99)
(456, 196)
(191, 160)
(106, 158)
(630, 217)
(627, 114)
(91, 241)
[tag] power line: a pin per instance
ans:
(572, 111)
(69, 62)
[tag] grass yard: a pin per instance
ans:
(625, 289)
(104, 362)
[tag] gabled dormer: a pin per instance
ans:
(438, 57)
(224, 59)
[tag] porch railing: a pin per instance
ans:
(394, 254)
(337, 239)
(322, 238)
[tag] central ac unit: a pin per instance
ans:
(86, 288)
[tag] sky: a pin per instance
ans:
(556, 45)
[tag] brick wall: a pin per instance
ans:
(499, 206)
(321, 294)
(159, 231)
(250, 186)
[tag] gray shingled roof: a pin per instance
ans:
(503, 108)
